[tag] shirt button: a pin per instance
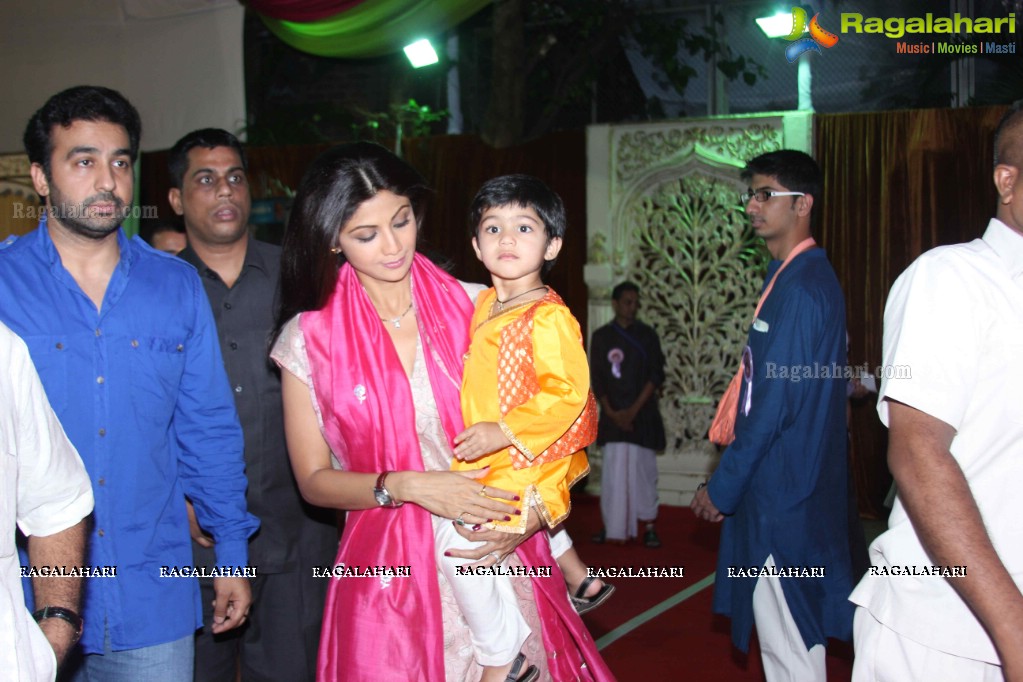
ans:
(102, 432)
(234, 346)
(100, 532)
(134, 343)
(180, 348)
(237, 389)
(99, 380)
(227, 304)
(99, 332)
(102, 481)
(60, 346)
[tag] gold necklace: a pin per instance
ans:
(501, 304)
(396, 321)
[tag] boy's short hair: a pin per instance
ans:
(521, 190)
(794, 169)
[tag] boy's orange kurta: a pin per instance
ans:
(527, 371)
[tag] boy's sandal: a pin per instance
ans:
(584, 604)
(531, 672)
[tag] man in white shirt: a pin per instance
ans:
(942, 600)
(45, 490)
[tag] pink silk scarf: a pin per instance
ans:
(376, 628)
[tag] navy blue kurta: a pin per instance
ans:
(782, 483)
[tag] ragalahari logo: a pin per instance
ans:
(818, 36)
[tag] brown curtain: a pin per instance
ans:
(895, 185)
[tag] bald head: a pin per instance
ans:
(1009, 137)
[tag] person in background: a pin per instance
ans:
(781, 487)
(124, 342)
(627, 367)
(164, 235)
(210, 190)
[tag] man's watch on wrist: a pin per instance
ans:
(67, 615)
(383, 497)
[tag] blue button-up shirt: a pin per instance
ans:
(141, 391)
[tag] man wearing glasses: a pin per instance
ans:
(781, 485)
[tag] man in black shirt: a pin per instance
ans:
(626, 371)
(240, 275)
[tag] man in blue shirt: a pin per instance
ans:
(781, 487)
(124, 342)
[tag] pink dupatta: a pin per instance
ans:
(381, 629)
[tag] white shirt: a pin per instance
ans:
(44, 488)
(954, 323)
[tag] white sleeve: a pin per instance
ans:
(930, 340)
(54, 492)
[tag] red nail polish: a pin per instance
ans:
(507, 518)
(447, 553)
(477, 527)
(518, 512)
(517, 498)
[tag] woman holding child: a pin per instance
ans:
(372, 338)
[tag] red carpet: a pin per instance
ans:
(686, 641)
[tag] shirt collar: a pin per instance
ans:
(45, 242)
(253, 258)
(1008, 244)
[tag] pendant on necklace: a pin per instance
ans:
(396, 321)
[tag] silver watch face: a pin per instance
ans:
(383, 498)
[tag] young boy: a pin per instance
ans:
(526, 396)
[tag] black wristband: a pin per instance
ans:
(72, 618)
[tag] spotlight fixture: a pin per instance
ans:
(774, 26)
(421, 53)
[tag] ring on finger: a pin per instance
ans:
(497, 558)
(460, 521)
(483, 491)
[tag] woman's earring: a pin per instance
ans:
(336, 250)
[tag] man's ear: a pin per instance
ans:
(804, 205)
(1005, 181)
(476, 248)
(174, 197)
(553, 249)
(39, 181)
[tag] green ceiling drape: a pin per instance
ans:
(374, 27)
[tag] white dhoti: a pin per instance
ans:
(628, 489)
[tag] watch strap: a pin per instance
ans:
(72, 618)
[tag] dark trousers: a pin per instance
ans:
(280, 640)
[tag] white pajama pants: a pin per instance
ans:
(487, 602)
(628, 489)
(782, 649)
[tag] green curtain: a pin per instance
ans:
(375, 27)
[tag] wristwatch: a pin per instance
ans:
(384, 498)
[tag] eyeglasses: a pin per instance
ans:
(762, 195)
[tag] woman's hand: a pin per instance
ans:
(497, 545)
(454, 495)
